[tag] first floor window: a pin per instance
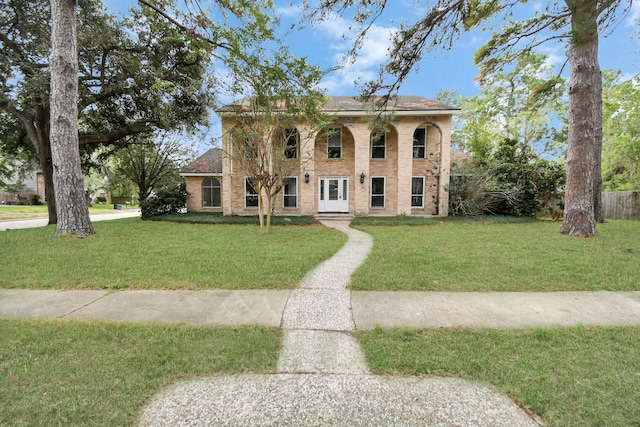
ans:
(334, 144)
(290, 192)
(211, 197)
(420, 143)
(377, 191)
(417, 192)
(250, 195)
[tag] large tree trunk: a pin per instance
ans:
(598, 207)
(68, 181)
(579, 218)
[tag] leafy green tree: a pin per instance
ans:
(135, 75)
(149, 165)
(621, 132)
(577, 23)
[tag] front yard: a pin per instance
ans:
(72, 372)
(477, 256)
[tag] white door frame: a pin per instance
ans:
(333, 194)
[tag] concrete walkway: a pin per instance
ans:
(322, 377)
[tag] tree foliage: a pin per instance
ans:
(149, 164)
(136, 74)
(621, 133)
(274, 124)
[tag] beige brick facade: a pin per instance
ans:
(398, 168)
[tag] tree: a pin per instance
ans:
(71, 206)
(621, 133)
(150, 165)
(265, 140)
(577, 23)
(135, 75)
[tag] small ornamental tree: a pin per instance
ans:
(273, 124)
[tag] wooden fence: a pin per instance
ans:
(621, 204)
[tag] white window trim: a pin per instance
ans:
(384, 193)
(335, 131)
(384, 138)
(289, 195)
(246, 180)
(423, 191)
(202, 188)
(425, 144)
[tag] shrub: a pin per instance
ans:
(101, 199)
(168, 200)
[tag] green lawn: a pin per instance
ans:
(130, 253)
(569, 376)
(474, 256)
(97, 373)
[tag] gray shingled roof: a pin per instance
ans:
(209, 162)
(354, 104)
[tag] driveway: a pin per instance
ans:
(41, 222)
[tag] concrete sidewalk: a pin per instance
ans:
(370, 309)
(41, 222)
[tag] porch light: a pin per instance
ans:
(306, 177)
(362, 178)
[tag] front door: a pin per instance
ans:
(334, 194)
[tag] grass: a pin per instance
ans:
(575, 376)
(135, 254)
(99, 373)
(437, 255)
(11, 212)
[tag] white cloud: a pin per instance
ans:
(339, 35)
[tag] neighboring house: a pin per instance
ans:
(31, 183)
(351, 171)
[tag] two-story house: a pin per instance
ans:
(349, 170)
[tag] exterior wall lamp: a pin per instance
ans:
(362, 178)
(306, 177)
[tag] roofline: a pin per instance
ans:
(200, 173)
(362, 113)
(398, 112)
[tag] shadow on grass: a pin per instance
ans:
(218, 218)
(418, 220)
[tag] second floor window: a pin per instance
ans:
(378, 145)
(334, 144)
(420, 143)
(291, 147)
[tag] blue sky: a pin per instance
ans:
(324, 45)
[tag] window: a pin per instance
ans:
(377, 191)
(250, 149)
(250, 195)
(417, 192)
(378, 145)
(290, 192)
(211, 197)
(291, 149)
(420, 143)
(334, 144)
